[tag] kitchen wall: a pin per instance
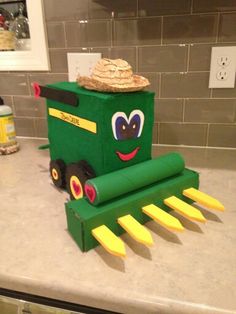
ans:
(165, 40)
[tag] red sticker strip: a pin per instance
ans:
(37, 90)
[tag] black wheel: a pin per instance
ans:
(57, 172)
(87, 169)
(76, 176)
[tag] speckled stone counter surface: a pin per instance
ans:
(189, 272)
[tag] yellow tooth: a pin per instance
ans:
(109, 240)
(203, 199)
(184, 209)
(135, 229)
(163, 218)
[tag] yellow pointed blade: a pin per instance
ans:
(109, 240)
(203, 199)
(135, 229)
(163, 218)
(184, 209)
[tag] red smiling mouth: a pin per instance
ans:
(127, 157)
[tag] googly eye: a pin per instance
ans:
(125, 128)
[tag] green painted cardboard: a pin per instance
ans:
(82, 217)
(132, 178)
(72, 144)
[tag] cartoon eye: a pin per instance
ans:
(125, 128)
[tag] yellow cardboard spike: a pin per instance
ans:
(109, 240)
(203, 199)
(163, 218)
(184, 209)
(135, 229)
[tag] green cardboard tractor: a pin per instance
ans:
(100, 149)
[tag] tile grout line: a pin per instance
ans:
(112, 30)
(64, 32)
(13, 105)
(158, 132)
(144, 46)
(137, 57)
(191, 7)
(217, 27)
(28, 85)
(188, 58)
(200, 98)
(207, 134)
(211, 93)
(235, 114)
(30, 117)
(191, 146)
(162, 27)
(184, 106)
(159, 86)
(197, 123)
(34, 124)
(150, 17)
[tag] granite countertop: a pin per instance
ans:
(189, 272)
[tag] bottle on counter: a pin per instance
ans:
(8, 143)
(20, 27)
(7, 37)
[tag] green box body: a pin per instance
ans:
(72, 143)
(82, 217)
(110, 131)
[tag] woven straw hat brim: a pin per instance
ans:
(138, 83)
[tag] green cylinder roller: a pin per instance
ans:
(111, 185)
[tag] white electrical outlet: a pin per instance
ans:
(223, 67)
(81, 64)
(223, 61)
(222, 75)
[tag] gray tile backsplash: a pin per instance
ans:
(41, 129)
(25, 126)
(13, 84)
(200, 57)
(214, 5)
(210, 110)
(165, 58)
(222, 135)
(105, 9)
(58, 59)
(8, 100)
(183, 134)
(163, 7)
(169, 110)
(64, 10)
(227, 27)
(141, 31)
(190, 29)
(48, 78)
(167, 41)
(56, 35)
(185, 85)
(88, 33)
(28, 106)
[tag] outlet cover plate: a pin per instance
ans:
(223, 67)
(81, 64)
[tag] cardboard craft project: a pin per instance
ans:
(100, 148)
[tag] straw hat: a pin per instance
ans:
(113, 76)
